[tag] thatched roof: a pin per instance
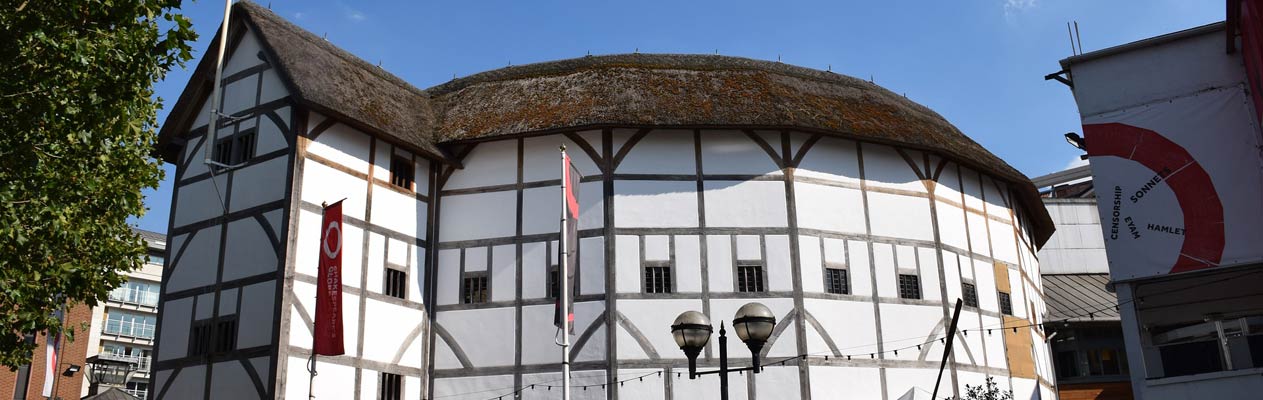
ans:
(640, 90)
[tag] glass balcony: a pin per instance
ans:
(130, 295)
(141, 363)
(129, 329)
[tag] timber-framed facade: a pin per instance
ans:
(868, 183)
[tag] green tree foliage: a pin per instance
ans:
(990, 391)
(77, 127)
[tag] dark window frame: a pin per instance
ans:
(399, 287)
(844, 284)
(483, 292)
(389, 386)
(969, 294)
(741, 280)
(553, 282)
(903, 284)
(662, 283)
(1006, 303)
(237, 148)
(403, 172)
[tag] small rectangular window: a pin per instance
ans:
(554, 282)
(474, 289)
(1067, 364)
(909, 286)
(243, 147)
(1006, 304)
(396, 284)
(223, 151)
(750, 278)
(226, 336)
(200, 338)
(402, 172)
(835, 281)
(969, 293)
(389, 386)
(658, 278)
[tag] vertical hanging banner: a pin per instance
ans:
(51, 345)
(328, 325)
(570, 235)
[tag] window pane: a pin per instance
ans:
(1006, 304)
(909, 287)
(969, 294)
(1191, 358)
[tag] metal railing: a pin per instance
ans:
(129, 328)
(139, 393)
(133, 296)
(141, 363)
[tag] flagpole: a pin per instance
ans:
(563, 273)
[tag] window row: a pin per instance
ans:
(123, 323)
(136, 292)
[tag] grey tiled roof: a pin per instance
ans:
(111, 394)
(1072, 297)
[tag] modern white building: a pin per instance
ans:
(123, 327)
(856, 215)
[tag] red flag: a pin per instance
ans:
(570, 234)
(328, 329)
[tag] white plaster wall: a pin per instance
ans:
(386, 330)
(908, 325)
(719, 263)
(900, 216)
(901, 381)
(448, 277)
(341, 144)
(827, 208)
(928, 262)
(270, 136)
(381, 161)
(994, 341)
(884, 167)
(541, 208)
(688, 264)
(778, 383)
(248, 250)
(255, 324)
(473, 388)
(849, 323)
(193, 155)
(199, 263)
(581, 377)
(745, 203)
(334, 185)
(259, 184)
(978, 234)
(538, 346)
(860, 268)
(541, 159)
(335, 381)
(997, 201)
(811, 262)
(534, 270)
(780, 275)
(639, 204)
(503, 273)
(239, 95)
(662, 151)
(399, 212)
(188, 384)
(486, 335)
(984, 277)
(725, 309)
(951, 224)
(199, 201)
(627, 263)
(1003, 241)
(488, 164)
(176, 316)
(832, 159)
(306, 251)
(732, 152)
(832, 382)
(704, 386)
(229, 380)
(478, 216)
(884, 263)
(244, 55)
(654, 318)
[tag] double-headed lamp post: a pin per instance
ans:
(754, 323)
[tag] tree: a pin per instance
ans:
(77, 129)
(987, 392)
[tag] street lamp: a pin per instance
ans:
(107, 370)
(753, 322)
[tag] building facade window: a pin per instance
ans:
(909, 286)
(750, 277)
(139, 389)
(474, 288)
(1006, 304)
(402, 172)
(396, 283)
(657, 277)
(123, 323)
(835, 281)
(136, 292)
(969, 293)
(235, 149)
(554, 282)
(389, 386)
(200, 338)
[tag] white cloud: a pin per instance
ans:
(355, 15)
(299, 15)
(1076, 162)
(1012, 7)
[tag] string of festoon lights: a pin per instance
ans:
(1089, 311)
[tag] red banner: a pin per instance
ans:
(570, 235)
(328, 329)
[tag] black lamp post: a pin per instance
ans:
(754, 323)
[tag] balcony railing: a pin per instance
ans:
(129, 328)
(132, 296)
(139, 393)
(141, 363)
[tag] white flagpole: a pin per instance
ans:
(563, 274)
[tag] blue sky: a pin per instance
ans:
(979, 63)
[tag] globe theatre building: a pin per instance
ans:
(857, 216)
